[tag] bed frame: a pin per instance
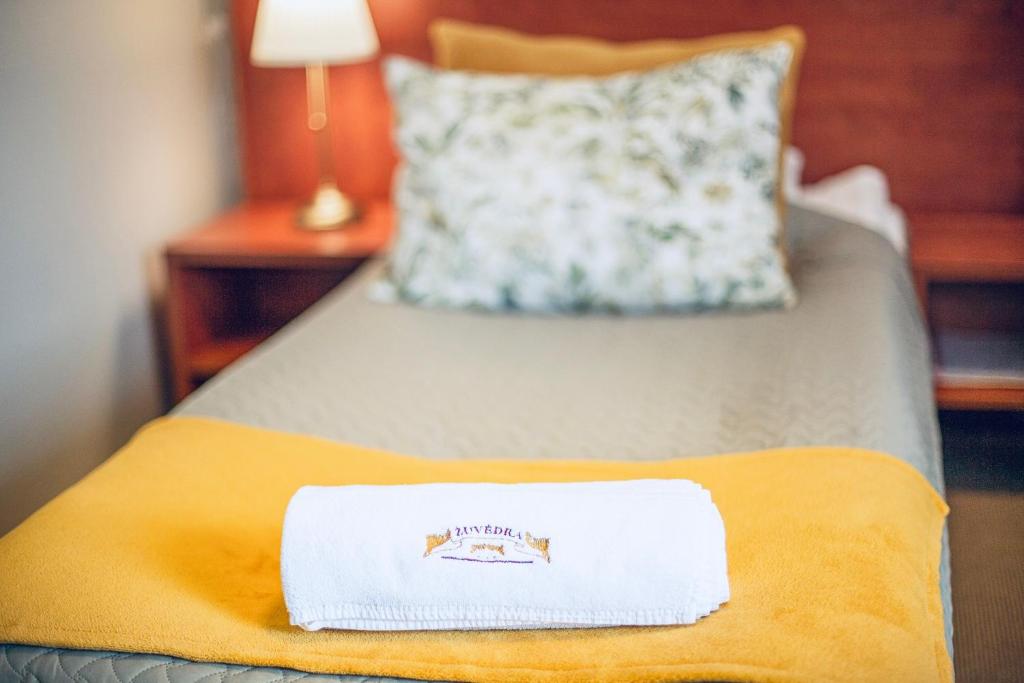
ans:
(931, 91)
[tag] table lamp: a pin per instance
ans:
(313, 34)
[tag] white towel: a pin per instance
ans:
(502, 556)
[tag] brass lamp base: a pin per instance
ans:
(329, 209)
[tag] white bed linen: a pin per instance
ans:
(859, 195)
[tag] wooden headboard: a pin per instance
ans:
(931, 91)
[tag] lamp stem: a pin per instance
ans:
(329, 208)
(316, 98)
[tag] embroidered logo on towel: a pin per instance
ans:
(489, 544)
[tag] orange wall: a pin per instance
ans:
(930, 91)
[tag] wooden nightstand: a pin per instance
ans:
(969, 273)
(238, 279)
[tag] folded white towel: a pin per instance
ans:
(502, 556)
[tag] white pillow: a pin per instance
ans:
(859, 195)
(636, 192)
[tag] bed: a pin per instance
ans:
(848, 366)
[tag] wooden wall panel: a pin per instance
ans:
(931, 91)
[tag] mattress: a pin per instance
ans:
(848, 366)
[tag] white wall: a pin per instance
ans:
(116, 132)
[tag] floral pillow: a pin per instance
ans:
(638, 192)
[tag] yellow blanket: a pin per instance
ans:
(172, 547)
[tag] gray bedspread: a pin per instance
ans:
(848, 366)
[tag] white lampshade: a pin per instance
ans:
(300, 32)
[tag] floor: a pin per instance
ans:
(984, 456)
